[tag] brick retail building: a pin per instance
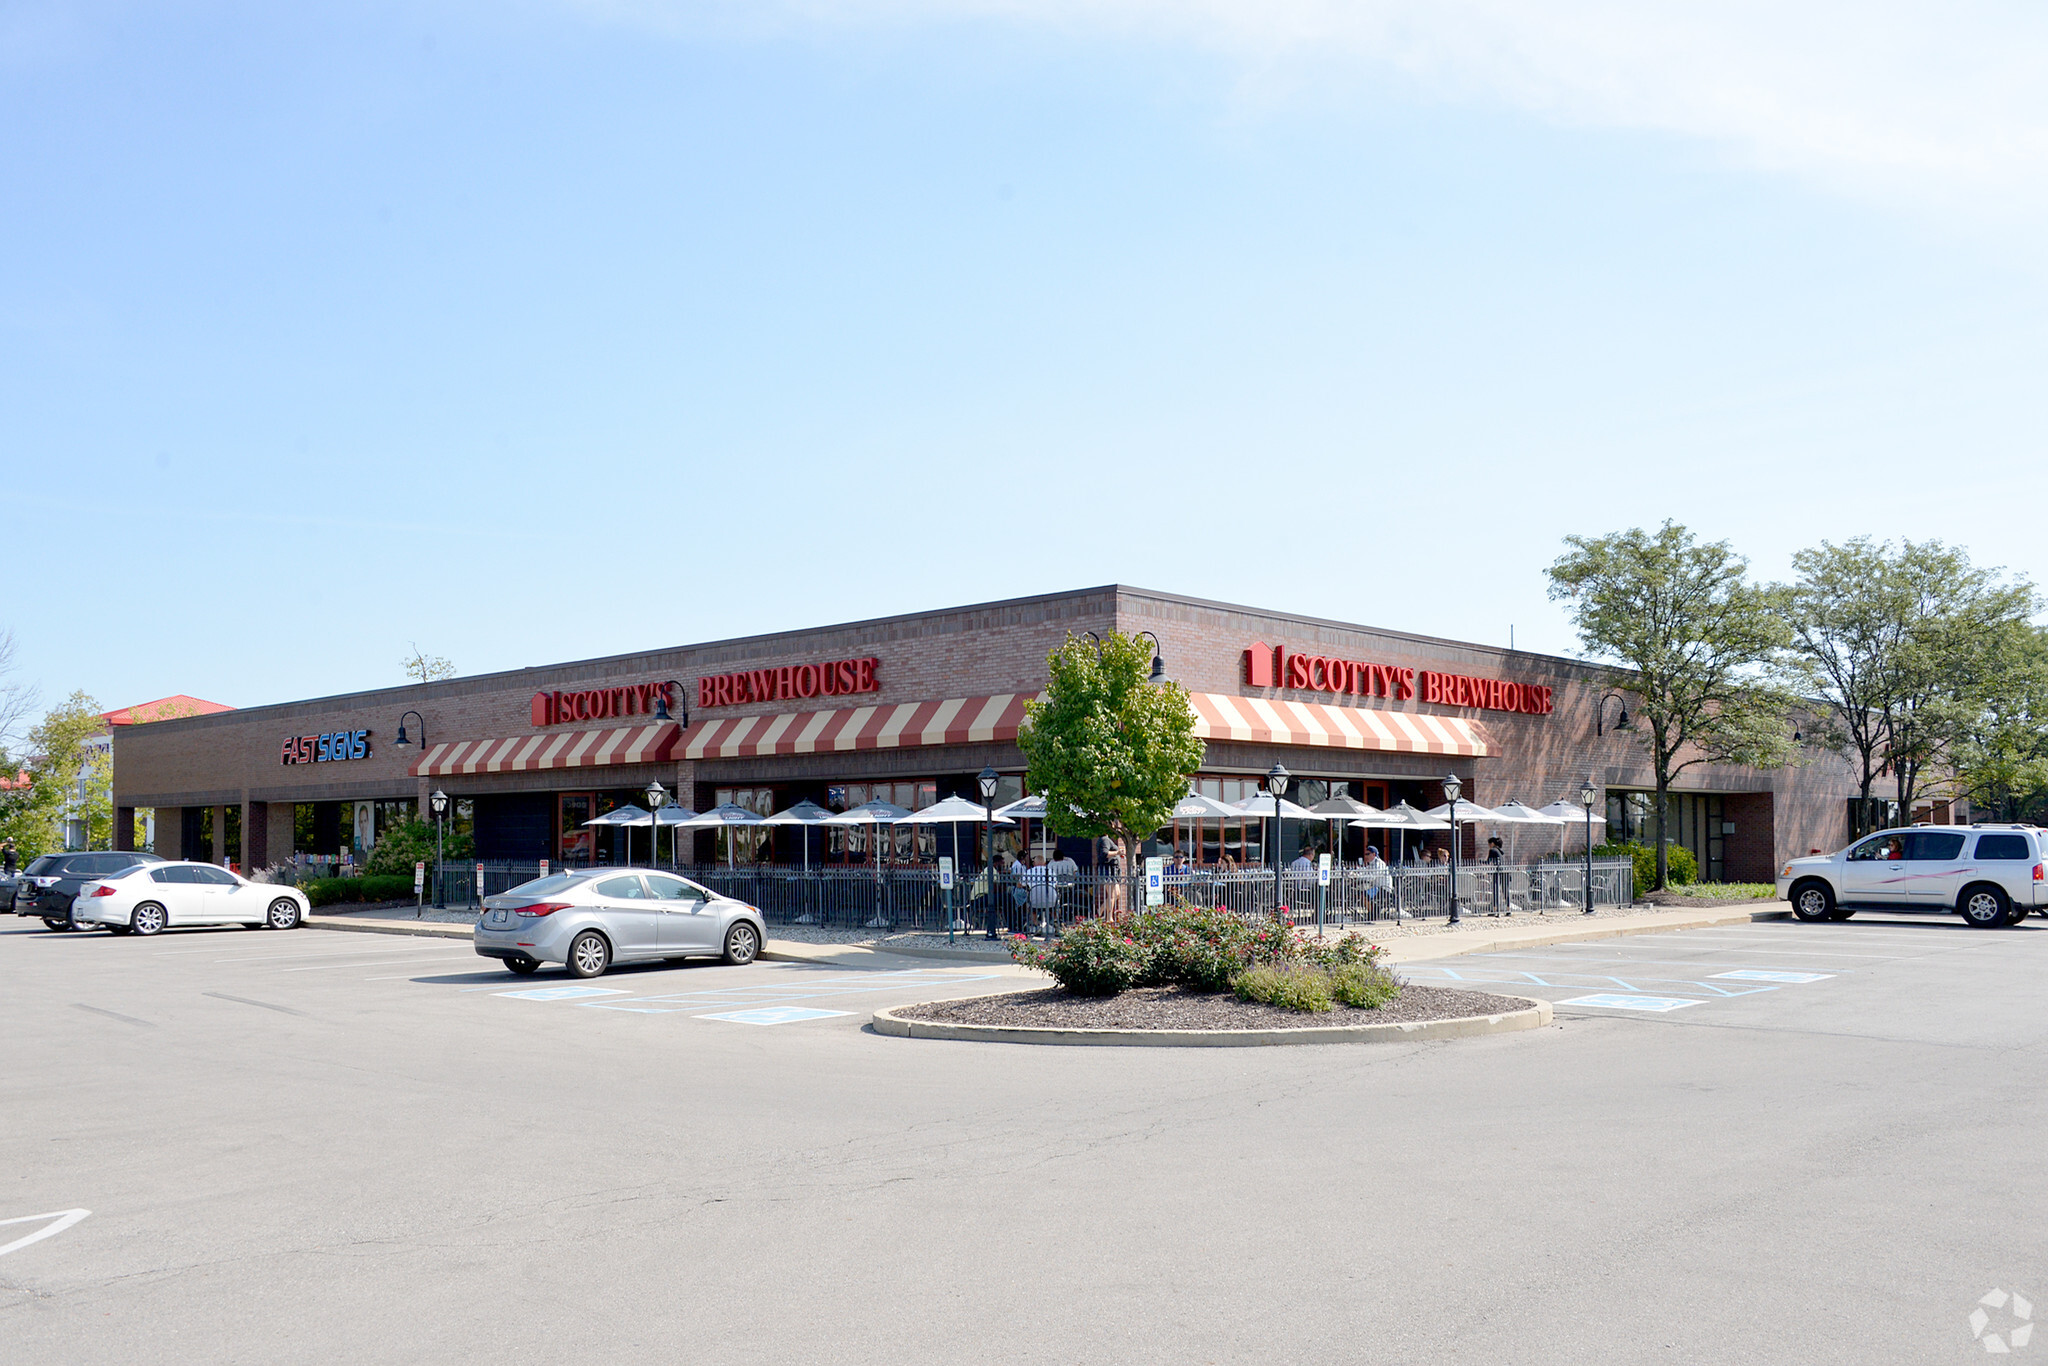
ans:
(909, 709)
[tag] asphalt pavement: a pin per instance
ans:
(322, 1147)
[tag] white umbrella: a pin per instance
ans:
(1261, 804)
(673, 815)
(1469, 813)
(1342, 808)
(1515, 813)
(625, 815)
(876, 812)
(1196, 807)
(1031, 808)
(720, 816)
(1402, 817)
(954, 811)
(1575, 815)
(803, 813)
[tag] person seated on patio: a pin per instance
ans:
(1378, 877)
(1180, 866)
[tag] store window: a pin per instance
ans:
(902, 843)
(748, 845)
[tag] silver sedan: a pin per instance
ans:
(591, 918)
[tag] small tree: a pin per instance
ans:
(425, 668)
(66, 776)
(1111, 752)
(1692, 633)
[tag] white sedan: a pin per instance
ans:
(156, 896)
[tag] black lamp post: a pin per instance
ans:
(439, 802)
(988, 779)
(1452, 787)
(656, 795)
(1157, 674)
(1621, 722)
(1276, 784)
(405, 742)
(1587, 796)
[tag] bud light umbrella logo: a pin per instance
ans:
(2001, 1332)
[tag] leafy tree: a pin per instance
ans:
(2001, 759)
(1691, 634)
(67, 777)
(1111, 751)
(425, 668)
(410, 842)
(17, 699)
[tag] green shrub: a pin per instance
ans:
(1201, 948)
(388, 888)
(411, 842)
(327, 891)
(1364, 986)
(1683, 867)
(1295, 986)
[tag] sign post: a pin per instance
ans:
(543, 867)
(1155, 881)
(479, 884)
(1322, 888)
(419, 890)
(946, 891)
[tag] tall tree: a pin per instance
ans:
(1111, 751)
(422, 667)
(2002, 759)
(68, 776)
(1691, 635)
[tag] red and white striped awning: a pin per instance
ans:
(975, 720)
(557, 749)
(955, 721)
(1219, 716)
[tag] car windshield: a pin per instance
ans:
(47, 863)
(549, 885)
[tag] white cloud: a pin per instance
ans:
(1942, 108)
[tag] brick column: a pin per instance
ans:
(279, 830)
(170, 832)
(124, 827)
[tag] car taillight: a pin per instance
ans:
(2037, 872)
(104, 890)
(542, 908)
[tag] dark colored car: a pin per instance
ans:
(48, 886)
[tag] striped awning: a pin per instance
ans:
(554, 749)
(955, 721)
(978, 720)
(1219, 716)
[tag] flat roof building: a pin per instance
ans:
(909, 708)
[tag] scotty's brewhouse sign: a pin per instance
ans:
(1271, 666)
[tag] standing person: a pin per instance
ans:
(9, 861)
(1503, 898)
(1379, 879)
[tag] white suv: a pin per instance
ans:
(1990, 875)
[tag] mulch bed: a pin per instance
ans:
(1180, 1008)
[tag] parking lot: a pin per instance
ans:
(315, 1146)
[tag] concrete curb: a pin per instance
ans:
(1447, 946)
(797, 951)
(437, 929)
(1464, 1027)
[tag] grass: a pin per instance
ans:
(1758, 891)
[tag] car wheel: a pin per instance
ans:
(120, 929)
(283, 914)
(589, 955)
(148, 918)
(525, 967)
(2016, 915)
(1985, 906)
(1813, 901)
(742, 944)
(1841, 912)
(57, 922)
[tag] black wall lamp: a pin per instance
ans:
(1621, 722)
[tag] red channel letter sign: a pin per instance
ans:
(1268, 666)
(832, 678)
(598, 704)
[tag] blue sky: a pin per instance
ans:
(533, 332)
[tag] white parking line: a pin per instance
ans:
(333, 953)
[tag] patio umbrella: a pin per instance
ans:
(1401, 818)
(1515, 813)
(673, 815)
(1575, 817)
(806, 814)
(720, 816)
(1196, 807)
(1262, 805)
(877, 812)
(624, 815)
(1342, 808)
(956, 812)
(1469, 813)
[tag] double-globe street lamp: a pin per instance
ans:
(439, 802)
(1276, 787)
(988, 779)
(1452, 787)
(1588, 794)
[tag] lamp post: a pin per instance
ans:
(1157, 675)
(656, 794)
(439, 801)
(403, 741)
(1452, 787)
(1276, 784)
(1587, 796)
(988, 778)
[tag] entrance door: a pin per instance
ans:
(1875, 871)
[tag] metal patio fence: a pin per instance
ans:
(910, 898)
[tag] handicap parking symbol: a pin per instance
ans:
(1616, 1001)
(562, 993)
(773, 1015)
